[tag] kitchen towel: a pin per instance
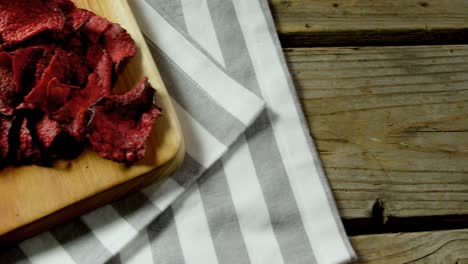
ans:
(265, 201)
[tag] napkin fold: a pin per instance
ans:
(251, 189)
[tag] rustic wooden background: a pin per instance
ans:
(384, 85)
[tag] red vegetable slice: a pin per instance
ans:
(23, 19)
(65, 68)
(122, 124)
(7, 84)
(95, 27)
(74, 112)
(5, 126)
(27, 151)
(119, 44)
(77, 18)
(25, 62)
(47, 131)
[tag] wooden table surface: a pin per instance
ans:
(384, 85)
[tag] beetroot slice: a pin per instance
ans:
(94, 55)
(22, 19)
(66, 68)
(57, 94)
(5, 126)
(75, 112)
(65, 6)
(47, 131)
(122, 124)
(95, 27)
(7, 84)
(119, 44)
(24, 68)
(77, 18)
(27, 151)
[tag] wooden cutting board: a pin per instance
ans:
(33, 198)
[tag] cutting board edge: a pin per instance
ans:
(91, 203)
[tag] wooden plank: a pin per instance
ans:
(370, 22)
(32, 194)
(391, 125)
(424, 247)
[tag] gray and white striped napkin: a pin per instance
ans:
(251, 190)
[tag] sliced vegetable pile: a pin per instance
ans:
(57, 66)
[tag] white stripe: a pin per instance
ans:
(163, 196)
(200, 27)
(238, 101)
(192, 227)
(138, 251)
(252, 212)
(200, 144)
(44, 249)
(310, 194)
(110, 228)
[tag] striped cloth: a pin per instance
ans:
(251, 189)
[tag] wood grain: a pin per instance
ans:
(370, 22)
(424, 247)
(33, 194)
(391, 124)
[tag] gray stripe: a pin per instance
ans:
(172, 8)
(213, 117)
(13, 255)
(318, 164)
(189, 171)
(222, 218)
(78, 240)
(284, 213)
(137, 209)
(114, 260)
(164, 239)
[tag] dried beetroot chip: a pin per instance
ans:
(57, 94)
(74, 111)
(74, 114)
(5, 126)
(77, 18)
(47, 131)
(42, 64)
(74, 21)
(94, 55)
(66, 68)
(95, 27)
(7, 84)
(25, 62)
(65, 6)
(22, 19)
(119, 44)
(27, 151)
(122, 123)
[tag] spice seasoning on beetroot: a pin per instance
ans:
(57, 67)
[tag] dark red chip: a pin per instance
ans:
(119, 44)
(122, 124)
(27, 150)
(47, 131)
(95, 27)
(7, 84)
(23, 19)
(5, 126)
